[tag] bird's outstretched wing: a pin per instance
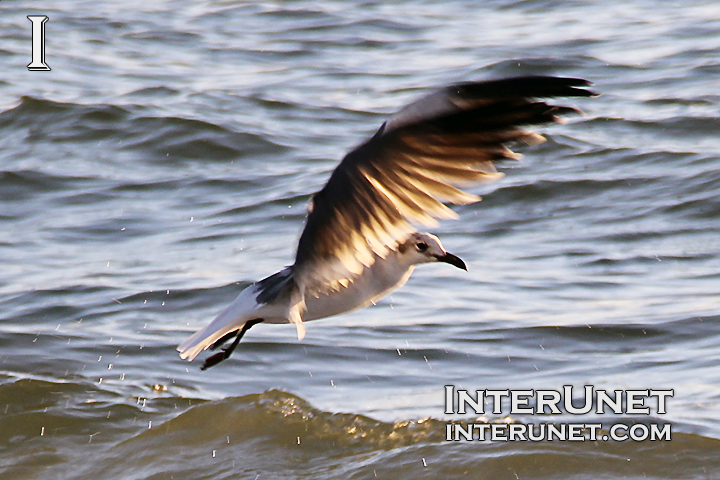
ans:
(414, 163)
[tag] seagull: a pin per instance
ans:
(360, 241)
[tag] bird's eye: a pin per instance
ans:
(421, 247)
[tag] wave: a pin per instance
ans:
(73, 432)
(164, 138)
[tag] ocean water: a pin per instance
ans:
(165, 162)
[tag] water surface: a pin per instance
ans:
(165, 163)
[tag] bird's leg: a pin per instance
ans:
(226, 352)
(223, 339)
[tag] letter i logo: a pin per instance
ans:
(38, 43)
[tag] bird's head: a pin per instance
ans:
(427, 248)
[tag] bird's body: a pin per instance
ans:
(269, 299)
(359, 242)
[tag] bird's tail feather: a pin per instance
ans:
(231, 319)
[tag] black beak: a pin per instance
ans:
(452, 260)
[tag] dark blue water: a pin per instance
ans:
(165, 161)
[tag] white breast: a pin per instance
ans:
(379, 280)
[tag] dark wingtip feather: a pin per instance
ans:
(581, 92)
(533, 86)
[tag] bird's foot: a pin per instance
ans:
(213, 360)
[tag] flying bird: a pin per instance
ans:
(360, 241)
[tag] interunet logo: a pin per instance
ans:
(531, 402)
